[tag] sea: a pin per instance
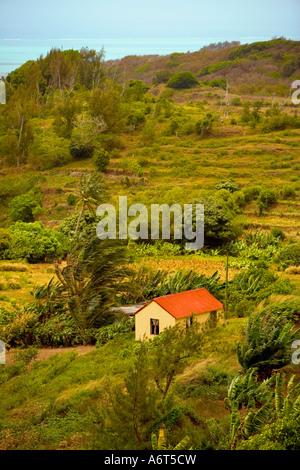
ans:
(16, 51)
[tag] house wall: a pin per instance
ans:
(142, 321)
(201, 317)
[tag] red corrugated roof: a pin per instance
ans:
(185, 304)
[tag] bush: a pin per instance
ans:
(280, 123)
(289, 255)
(162, 76)
(112, 142)
(101, 159)
(182, 80)
(218, 223)
(49, 151)
(203, 127)
(266, 198)
(229, 185)
(288, 191)
(31, 241)
(71, 199)
(218, 83)
(26, 355)
(277, 232)
(26, 206)
(5, 237)
(281, 435)
(236, 102)
(251, 192)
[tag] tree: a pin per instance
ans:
(26, 206)
(204, 126)
(21, 108)
(86, 135)
(101, 159)
(218, 223)
(91, 70)
(94, 273)
(31, 241)
(65, 117)
(49, 150)
(182, 80)
(266, 198)
(5, 237)
(170, 350)
(105, 105)
(133, 409)
(92, 192)
(134, 91)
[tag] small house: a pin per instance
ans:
(169, 310)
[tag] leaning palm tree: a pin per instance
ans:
(95, 271)
(92, 192)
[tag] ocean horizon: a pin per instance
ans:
(16, 51)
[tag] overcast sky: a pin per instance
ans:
(153, 18)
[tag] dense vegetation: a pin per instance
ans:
(215, 127)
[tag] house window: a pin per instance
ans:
(189, 322)
(154, 327)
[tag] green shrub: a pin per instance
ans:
(218, 83)
(251, 192)
(26, 206)
(266, 198)
(288, 255)
(5, 237)
(281, 435)
(26, 355)
(72, 199)
(229, 185)
(49, 151)
(280, 123)
(277, 232)
(182, 80)
(162, 76)
(204, 126)
(31, 241)
(101, 159)
(288, 191)
(236, 102)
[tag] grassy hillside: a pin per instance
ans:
(54, 404)
(227, 136)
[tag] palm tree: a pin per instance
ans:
(92, 192)
(95, 271)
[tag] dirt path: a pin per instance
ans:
(45, 353)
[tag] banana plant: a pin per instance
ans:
(160, 442)
(244, 393)
(290, 403)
